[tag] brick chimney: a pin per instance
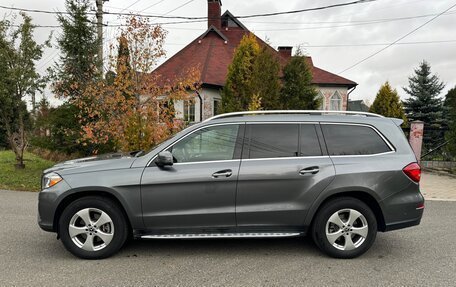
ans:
(214, 13)
(285, 52)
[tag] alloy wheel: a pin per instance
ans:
(91, 229)
(346, 229)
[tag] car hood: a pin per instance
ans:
(93, 163)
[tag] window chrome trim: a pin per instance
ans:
(208, 161)
(392, 149)
(188, 134)
(282, 122)
(287, 158)
(363, 155)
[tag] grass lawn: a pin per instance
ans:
(27, 179)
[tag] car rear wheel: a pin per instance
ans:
(93, 228)
(344, 228)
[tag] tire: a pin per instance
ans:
(344, 240)
(89, 240)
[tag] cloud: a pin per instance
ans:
(395, 64)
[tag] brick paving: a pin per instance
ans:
(438, 187)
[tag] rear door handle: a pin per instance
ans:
(222, 173)
(309, 170)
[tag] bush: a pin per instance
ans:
(53, 155)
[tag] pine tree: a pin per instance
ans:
(388, 103)
(237, 93)
(424, 103)
(78, 45)
(450, 119)
(265, 80)
(298, 93)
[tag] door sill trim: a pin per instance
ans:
(222, 235)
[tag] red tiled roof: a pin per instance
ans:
(323, 77)
(212, 56)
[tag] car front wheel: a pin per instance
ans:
(93, 228)
(344, 228)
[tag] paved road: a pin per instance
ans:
(438, 187)
(423, 255)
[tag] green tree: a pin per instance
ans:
(298, 93)
(238, 91)
(54, 130)
(265, 80)
(78, 45)
(77, 65)
(424, 103)
(388, 103)
(18, 80)
(450, 119)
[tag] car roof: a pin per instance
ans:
(329, 118)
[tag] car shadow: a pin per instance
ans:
(215, 247)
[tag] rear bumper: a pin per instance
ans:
(403, 224)
(403, 209)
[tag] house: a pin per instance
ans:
(357, 106)
(213, 52)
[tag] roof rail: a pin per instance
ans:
(308, 112)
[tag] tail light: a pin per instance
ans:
(413, 171)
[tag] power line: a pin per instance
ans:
(377, 44)
(346, 23)
(342, 45)
(307, 10)
(153, 5)
(199, 18)
(351, 21)
(170, 11)
(262, 30)
(399, 39)
(126, 8)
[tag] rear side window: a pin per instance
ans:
(273, 140)
(310, 146)
(353, 140)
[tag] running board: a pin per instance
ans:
(220, 235)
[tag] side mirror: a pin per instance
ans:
(165, 158)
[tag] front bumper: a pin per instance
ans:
(48, 201)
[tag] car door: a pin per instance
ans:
(283, 170)
(199, 190)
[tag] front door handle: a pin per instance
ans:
(222, 173)
(309, 170)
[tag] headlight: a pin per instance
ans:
(51, 179)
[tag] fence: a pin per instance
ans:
(434, 144)
(438, 164)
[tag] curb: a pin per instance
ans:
(440, 199)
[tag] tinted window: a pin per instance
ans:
(208, 144)
(310, 146)
(273, 140)
(353, 140)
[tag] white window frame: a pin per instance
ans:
(336, 97)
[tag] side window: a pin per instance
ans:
(335, 102)
(273, 140)
(217, 103)
(353, 140)
(208, 144)
(309, 143)
(189, 111)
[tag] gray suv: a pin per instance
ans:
(339, 177)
